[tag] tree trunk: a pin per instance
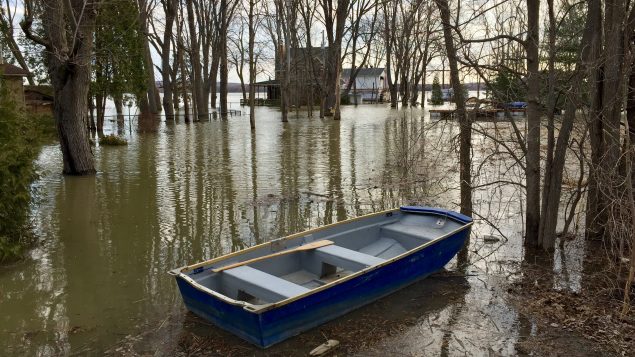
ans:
(389, 27)
(166, 71)
(92, 126)
(555, 166)
(200, 107)
(70, 74)
(101, 106)
(252, 66)
(152, 92)
(224, 70)
(118, 99)
(224, 78)
(551, 104)
(532, 166)
(595, 214)
(214, 75)
(465, 160)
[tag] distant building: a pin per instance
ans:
(305, 73)
(370, 84)
(39, 99)
(13, 77)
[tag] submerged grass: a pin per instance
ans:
(112, 140)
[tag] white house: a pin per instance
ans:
(370, 84)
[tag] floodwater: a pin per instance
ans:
(97, 282)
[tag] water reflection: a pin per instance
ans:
(188, 192)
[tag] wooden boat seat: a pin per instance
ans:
(347, 259)
(262, 285)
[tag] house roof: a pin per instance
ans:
(9, 70)
(43, 89)
(271, 82)
(364, 72)
(304, 51)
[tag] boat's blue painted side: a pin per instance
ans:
(274, 325)
(232, 318)
(313, 310)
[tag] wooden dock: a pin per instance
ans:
(448, 114)
(260, 102)
(229, 112)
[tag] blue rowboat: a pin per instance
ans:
(276, 290)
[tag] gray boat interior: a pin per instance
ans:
(358, 244)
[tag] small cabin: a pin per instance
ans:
(370, 84)
(39, 99)
(13, 77)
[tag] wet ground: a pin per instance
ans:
(97, 282)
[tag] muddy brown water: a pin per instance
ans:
(97, 282)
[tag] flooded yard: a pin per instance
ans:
(97, 282)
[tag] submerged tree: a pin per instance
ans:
(69, 29)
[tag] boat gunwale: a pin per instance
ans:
(258, 309)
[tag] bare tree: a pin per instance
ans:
(465, 135)
(253, 21)
(334, 20)
(150, 103)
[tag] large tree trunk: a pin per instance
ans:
(532, 166)
(170, 8)
(69, 67)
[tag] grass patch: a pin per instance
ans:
(113, 140)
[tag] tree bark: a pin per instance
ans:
(152, 92)
(389, 28)
(465, 160)
(595, 215)
(252, 65)
(532, 166)
(170, 8)
(554, 167)
(118, 99)
(69, 67)
(195, 58)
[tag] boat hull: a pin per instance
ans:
(266, 328)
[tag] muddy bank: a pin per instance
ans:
(590, 312)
